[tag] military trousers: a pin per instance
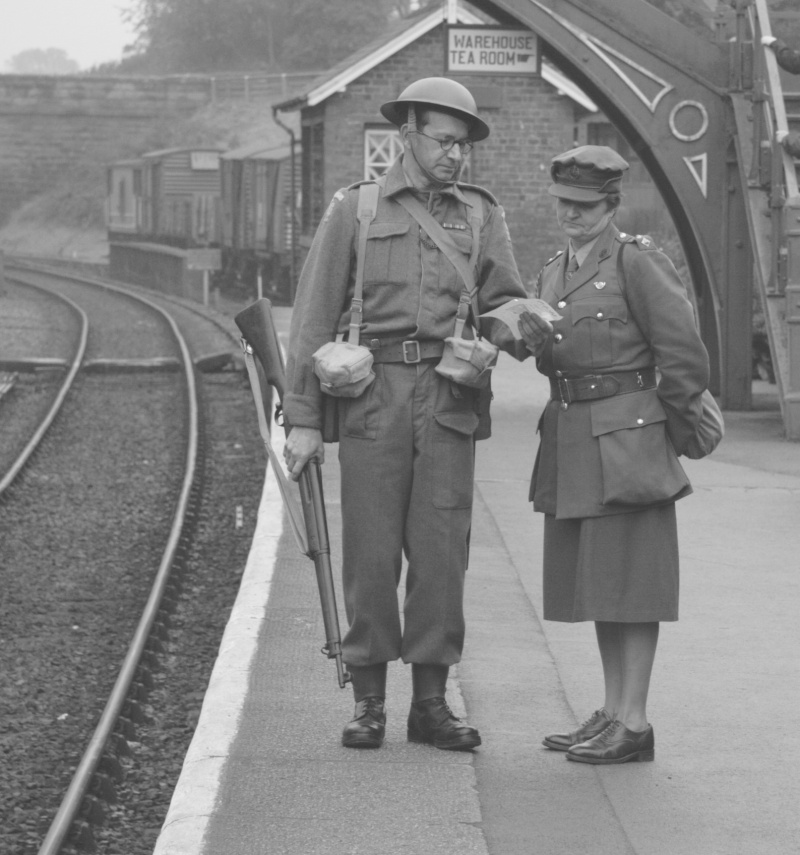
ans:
(407, 452)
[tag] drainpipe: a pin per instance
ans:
(292, 283)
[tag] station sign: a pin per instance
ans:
(491, 50)
(204, 259)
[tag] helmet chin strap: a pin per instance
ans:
(433, 179)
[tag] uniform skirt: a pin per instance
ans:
(621, 568)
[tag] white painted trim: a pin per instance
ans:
(197, 791)
(340, 82)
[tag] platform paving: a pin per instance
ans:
(266, 775)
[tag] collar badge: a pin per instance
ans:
(599, 285)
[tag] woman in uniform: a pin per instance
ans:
(627, 369)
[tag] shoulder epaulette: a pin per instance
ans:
(551, 260)
(477, 188)
(359, 183)
(642, 241)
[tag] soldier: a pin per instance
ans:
(406, 445)
(607, 474)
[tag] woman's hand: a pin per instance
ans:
(301, 445)
(535, 332)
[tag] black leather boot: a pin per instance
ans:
(430, 720)
(367, 728)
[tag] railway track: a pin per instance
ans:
(119, 484)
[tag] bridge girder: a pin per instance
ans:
(666, 90)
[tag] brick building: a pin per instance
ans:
(532, 117)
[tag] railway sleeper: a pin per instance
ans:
(103, 787)
(138, 692)
(93, 810)
(144, 676)
(81, 836)
(119, 744)
(110, 765)
(127, 366)
(213, 363)
(127, 730)
(134, 711)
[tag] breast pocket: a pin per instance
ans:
(601, 318)
(638, 463)
(387, 247)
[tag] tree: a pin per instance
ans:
(235, 35)
(38, 61)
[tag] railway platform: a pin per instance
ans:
(266, 774)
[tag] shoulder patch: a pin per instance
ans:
(338, 196)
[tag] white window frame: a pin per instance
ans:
(382, 146)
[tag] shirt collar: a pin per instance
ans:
(582, 252)
(397, 181)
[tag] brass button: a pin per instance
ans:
(599, 314)
(639, 421)
(558, 336)
(564, 405)
(559, 373)
(562, 303)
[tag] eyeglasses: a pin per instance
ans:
(448, 143)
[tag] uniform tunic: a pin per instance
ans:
(406, 446)
(607, 472)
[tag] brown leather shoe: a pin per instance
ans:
(616, 744)
(598, 722)
(432, 721)
(368, 725)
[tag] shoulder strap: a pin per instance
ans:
(621, 271)
(440, 237)
(476, 221)
(368, 195)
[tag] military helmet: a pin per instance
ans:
(436, 92)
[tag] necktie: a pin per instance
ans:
(572, 266)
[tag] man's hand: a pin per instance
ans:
(535, 332)
(301, 445)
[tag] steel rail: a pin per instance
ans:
(72, 801)
(44, 425)
(779, 127)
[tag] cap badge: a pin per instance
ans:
(599, 285)
(574, 172)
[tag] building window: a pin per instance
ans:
(382, 146)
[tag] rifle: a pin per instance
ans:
(259, 338)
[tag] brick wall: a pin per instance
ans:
(50, 125)
(533, 124)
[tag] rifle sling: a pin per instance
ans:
(439, 236)
(295, 514)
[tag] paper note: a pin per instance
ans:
(509, 312)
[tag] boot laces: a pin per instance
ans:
(596, 714)
(606, 735)
(372, 707)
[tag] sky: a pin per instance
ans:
(90, 31)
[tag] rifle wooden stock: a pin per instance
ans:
(258, 330)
